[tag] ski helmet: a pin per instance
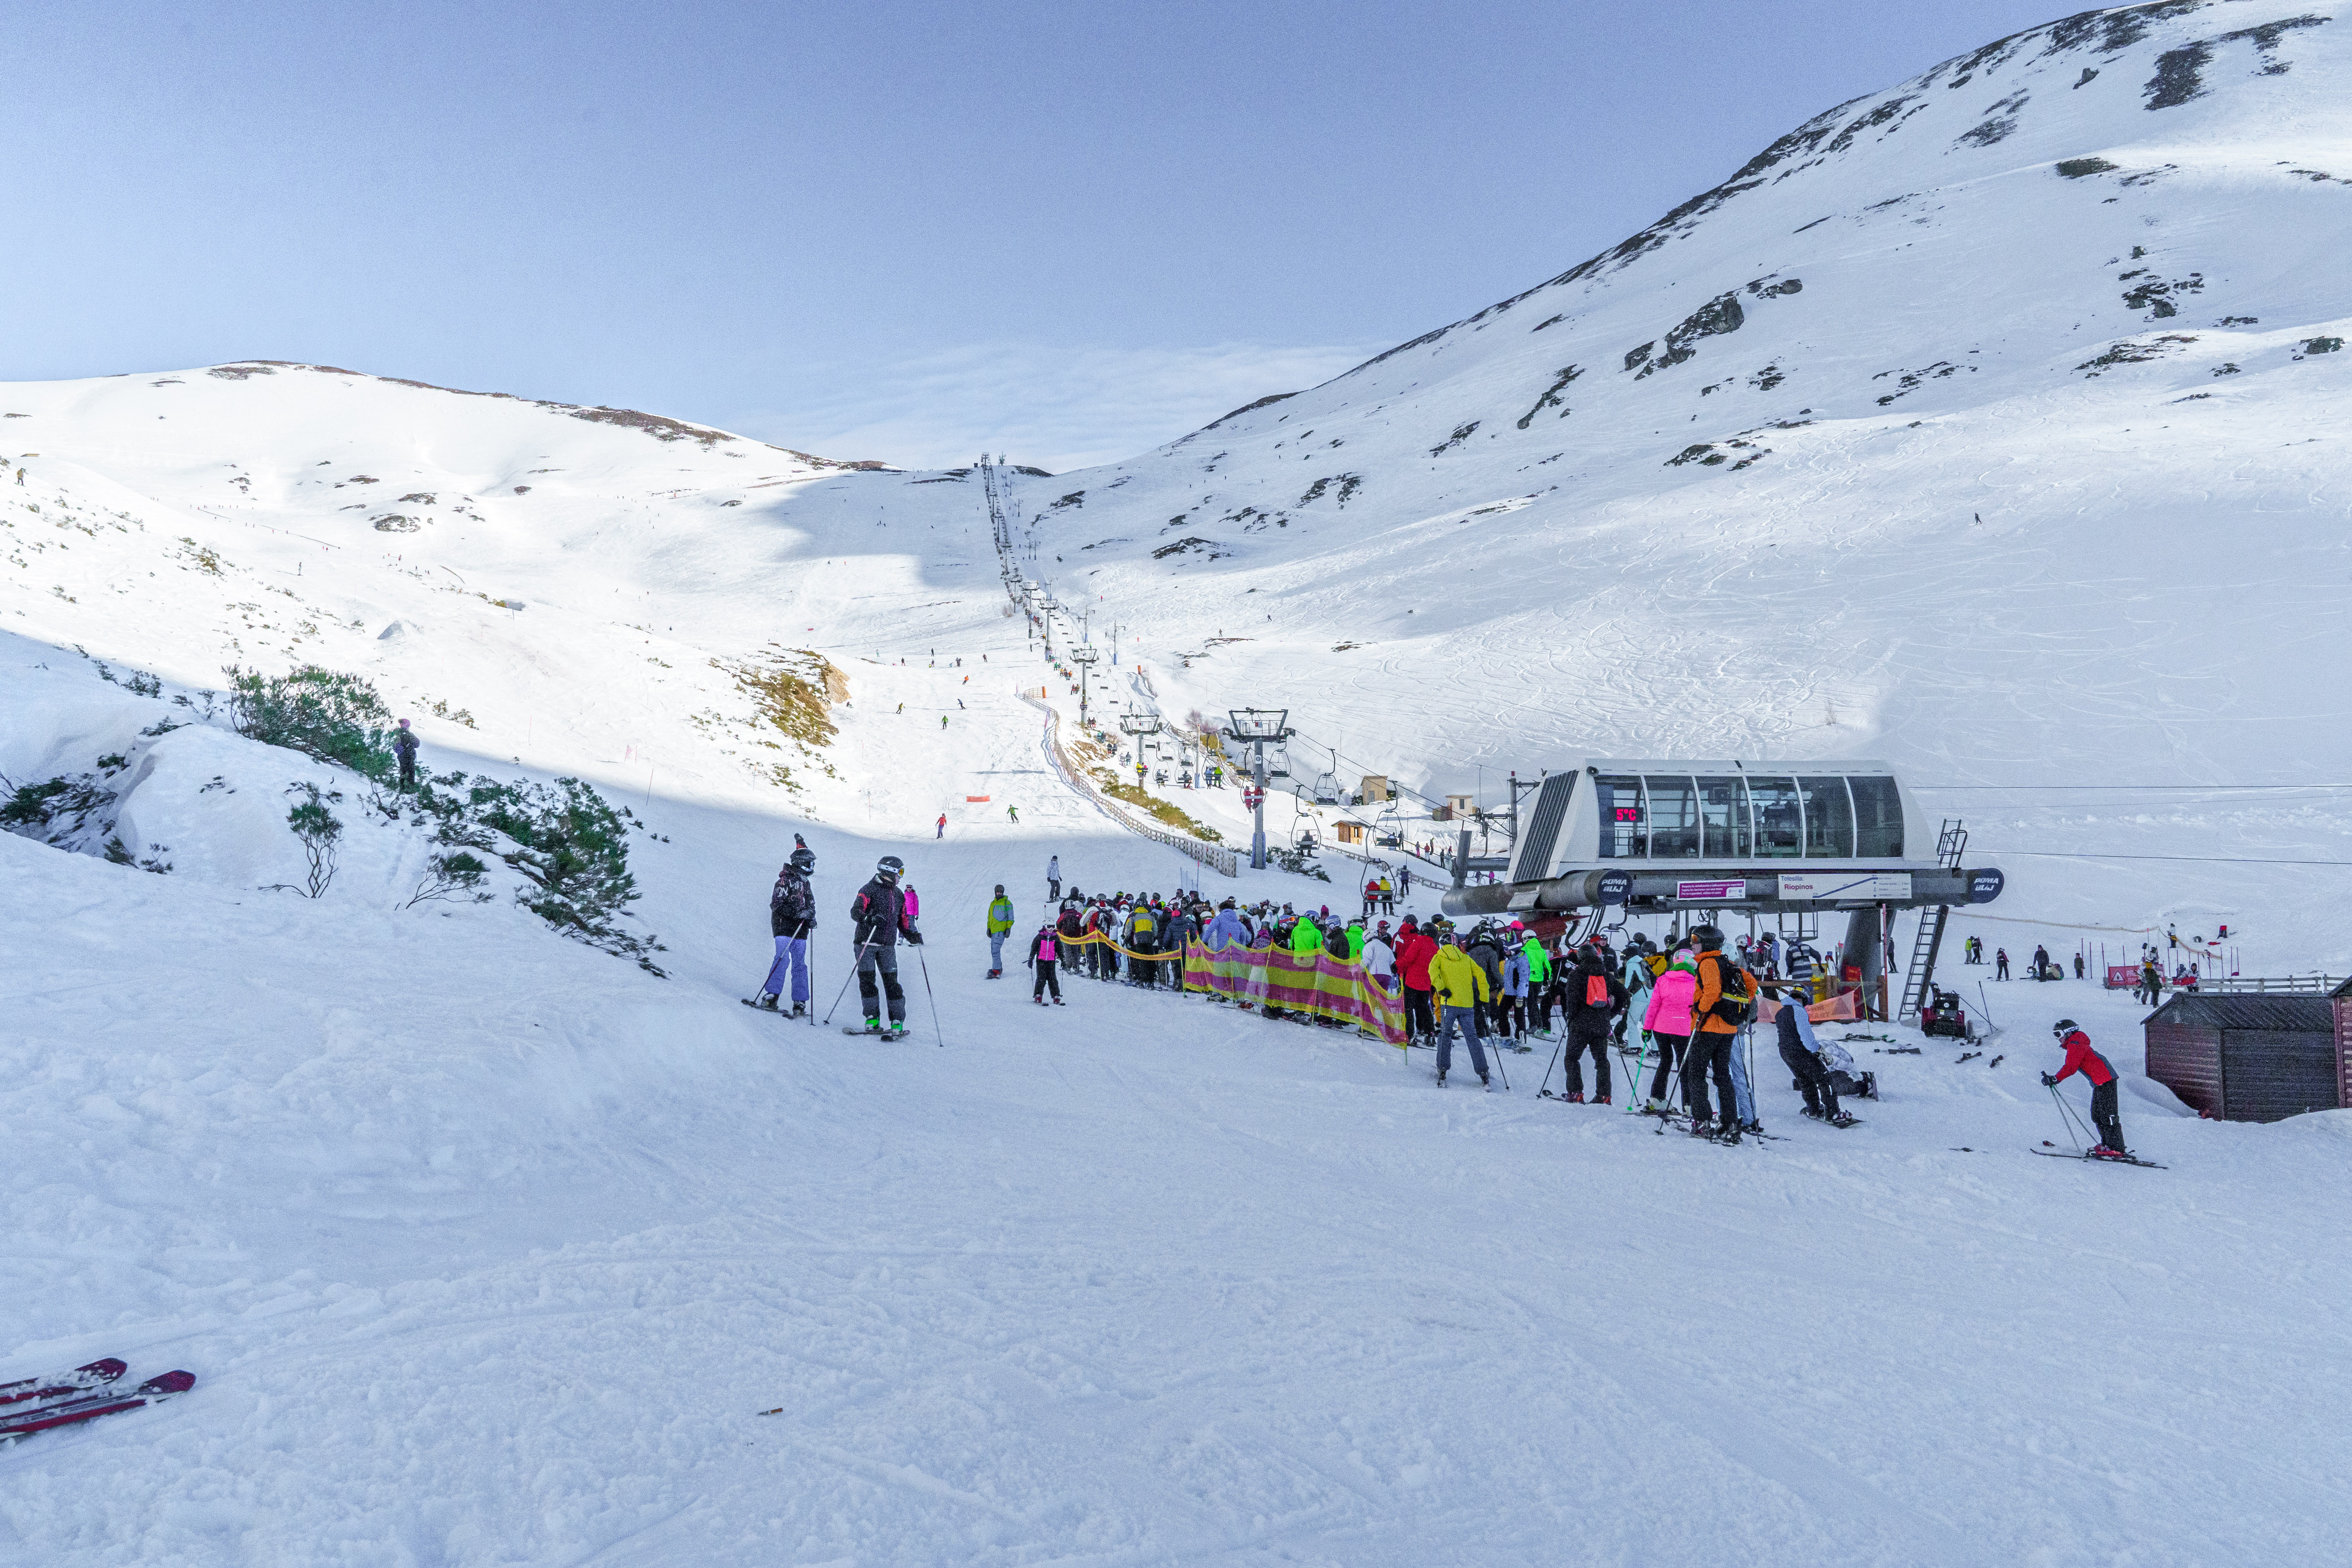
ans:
(889, 868)
(1708, 939)
(803, 860)
(2063, 1028)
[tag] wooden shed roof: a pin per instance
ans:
(2299, 1014)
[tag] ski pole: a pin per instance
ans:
(845, 979)
(1633, 1090)
(924, 963)
(2073, 1122)
(1545, 1087)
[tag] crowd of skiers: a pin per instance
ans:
(1691, 1001)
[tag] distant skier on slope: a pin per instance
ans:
(2000, 963)
(878, 917)
(1054, 877)
(2082, 1058)
(792, 915)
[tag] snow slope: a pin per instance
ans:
(489, 1247)
(1992, 425)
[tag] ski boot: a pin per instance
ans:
(1701, 1127)
(1600, 1099)
(996, 974)
(1485, 1081)
(800, 1010)
(1657, 1107)
(1817, 1113)
(1059, 1002)
(898, 1028)
(2109, 1151)
(1730, 1136)
(1840, 1118)
(767, 1002)
(1441, 1078)
(1576, 1097)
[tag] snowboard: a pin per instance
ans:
(42, 1415)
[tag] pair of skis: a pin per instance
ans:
(32, 1404)
(2052, 1152)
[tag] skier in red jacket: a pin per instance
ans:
(2082, 1058)
(1414, 949)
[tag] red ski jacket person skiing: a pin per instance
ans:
(2082, 1058)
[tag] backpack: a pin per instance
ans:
(1737, 1005)
(1596, 991)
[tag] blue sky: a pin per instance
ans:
(898, 229)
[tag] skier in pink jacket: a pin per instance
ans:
(1667, 1019)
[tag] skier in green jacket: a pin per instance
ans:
(999, 926)
(1539, 985)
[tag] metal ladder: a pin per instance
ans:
(1923, 961)
(1951, 846)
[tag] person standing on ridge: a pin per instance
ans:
(404, 749)
(2082, 1058)
(999, 926)
(1053, 878)
(792, 915)
(942, 833)
(879, 916)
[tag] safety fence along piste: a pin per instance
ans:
(1215, 856)
(1314, 985)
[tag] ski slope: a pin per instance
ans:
(487, 1247)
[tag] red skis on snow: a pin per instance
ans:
(59, 1402)
(80, 1380)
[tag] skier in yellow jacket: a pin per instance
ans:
(1460, 983)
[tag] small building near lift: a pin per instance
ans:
(2238, 1057)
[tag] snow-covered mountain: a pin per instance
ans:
(1986, 424)
(1991, 424)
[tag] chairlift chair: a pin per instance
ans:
(1327, 789)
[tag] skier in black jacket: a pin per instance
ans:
(877, 918)
(1595, 996)
(792, 915)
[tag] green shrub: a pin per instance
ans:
(571, 847)
(337, 718)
